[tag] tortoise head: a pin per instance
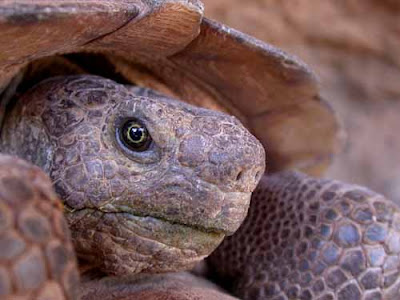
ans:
(150, 184)
(175, 197)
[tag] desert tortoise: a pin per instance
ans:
(152, 184)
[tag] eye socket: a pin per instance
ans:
(135, 136)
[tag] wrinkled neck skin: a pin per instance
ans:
(159, 210)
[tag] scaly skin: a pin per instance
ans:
(37, 260)
(306, 238)
(160, 210)
(166, 208)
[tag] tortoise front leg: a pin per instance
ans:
(37, 260)
(306, 238)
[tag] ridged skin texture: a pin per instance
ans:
(166, 208)
(37, 260)
(306, 238)
(159, 210)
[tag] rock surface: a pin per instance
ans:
(354, 47)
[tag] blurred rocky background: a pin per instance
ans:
(354, 47)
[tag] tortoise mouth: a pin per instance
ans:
(130, 214)
(151, 220)
(221, 213)
(146, 244)
(147, 226)
(132, 217)
(151, 227)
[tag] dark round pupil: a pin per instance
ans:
(136, 134)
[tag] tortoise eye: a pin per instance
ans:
(135, 136)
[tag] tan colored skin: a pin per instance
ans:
(160, 210)
(307, 238)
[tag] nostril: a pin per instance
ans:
(239, 176)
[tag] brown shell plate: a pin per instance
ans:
(169, 46)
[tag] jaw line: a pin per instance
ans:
(111, 208)
(160, 240)
(131, 213)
